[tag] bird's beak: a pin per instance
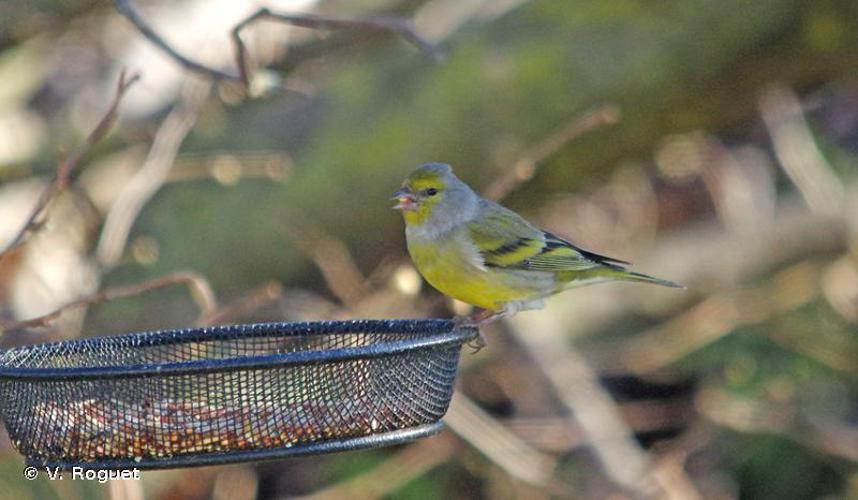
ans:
(406, 199)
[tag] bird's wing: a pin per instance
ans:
(504, 239)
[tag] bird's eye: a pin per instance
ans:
(431, 192)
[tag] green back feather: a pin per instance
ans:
(505, 240)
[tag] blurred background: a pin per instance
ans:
(711, 143)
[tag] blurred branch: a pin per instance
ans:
(745, 414)
(750, 415)
(497, 443)
(525, 168)
(152, 174)
(124, 490)
(833, 436)
(124, 7)
(577, 387)
(840, 287)
(199, 288)
(797, 151)
(740, 183)
(229, 167)
(236, 482)
(714, 318)
(708, 258)
(561, 435)
(252, 301)
(472, 425)
(438, 19)
(404, 466)
(333, 259)
(65, 167)
(398, 26)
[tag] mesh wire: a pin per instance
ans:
(249, 388)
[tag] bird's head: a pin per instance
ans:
(433, 195)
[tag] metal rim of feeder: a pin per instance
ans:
(448, 335)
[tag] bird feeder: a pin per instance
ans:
(226, 394)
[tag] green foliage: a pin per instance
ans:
(773, 467)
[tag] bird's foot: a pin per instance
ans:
(476, 321)
(478, 343)
(480, 318)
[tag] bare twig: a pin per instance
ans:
(840, 287)
(198, 286)
(497, 443)
(66, 166)
(333, 259)
(578, 389)
(561, 435)
(438, 19)
(797, 151)
(124, 490)
(383, 480)
(524, 169)
(252, 301)
(152, 174)
(237, 482)
(398, 26)
(719, 315)
(124, 7)
(708, 258)
(814, 429)
(740, 183)
(832, 436)
(229, 168)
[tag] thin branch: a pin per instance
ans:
(560, 435)
(385, 479)
(832, 435)
(333, 259)
(798, 152)
(152, 175)
(122, 490)
(578, 389)
(200, 290)
(718, 316)
(66, 166)
(731, 259)
(751, 415)
(252, 301)
(525, 168)
(124, 7)
(397, 26)
(228, 168)
(500, 445)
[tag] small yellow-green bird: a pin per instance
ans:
(481, 253)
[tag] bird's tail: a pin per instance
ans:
(624, 275)
(609, 272)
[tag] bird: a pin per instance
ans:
(481, 253)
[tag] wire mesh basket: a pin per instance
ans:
(229, 393)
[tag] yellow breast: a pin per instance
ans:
(450, 267)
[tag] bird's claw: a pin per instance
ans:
(478, 342)
(475, 321)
